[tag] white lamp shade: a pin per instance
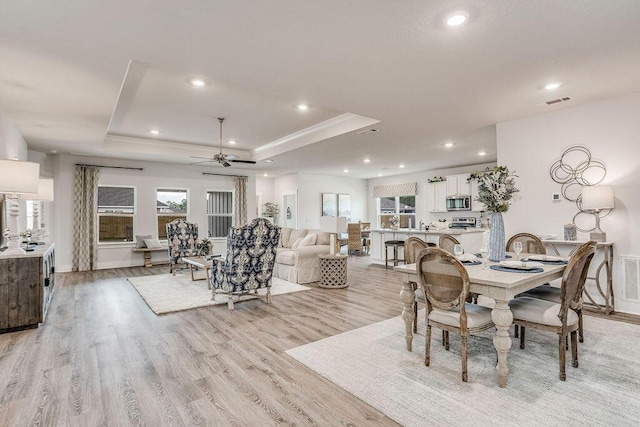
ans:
(19, 177)
(597, 197)
(333, 224)
(45, 191)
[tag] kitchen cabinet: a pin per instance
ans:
(437, 196)
(458, 185)
(26, 287)
(475, 205)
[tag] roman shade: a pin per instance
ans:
(394, 190)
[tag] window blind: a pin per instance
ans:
(406, 189)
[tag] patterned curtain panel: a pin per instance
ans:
(85, 206)
(241, 201)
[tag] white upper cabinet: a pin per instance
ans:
(475, 205)
(458, 185)
(437, 197)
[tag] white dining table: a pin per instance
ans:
(501, 286)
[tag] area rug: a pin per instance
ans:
(372, 364)
(165, 293)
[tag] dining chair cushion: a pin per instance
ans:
(419, 294)
(540, 311)
(477, 316)
(550, 293)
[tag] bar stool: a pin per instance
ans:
(395, 244)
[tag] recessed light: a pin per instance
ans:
(197, 82)
(449, 144)
(457, 18)
(552, 86)
(303, 107)
(269, 161)
(53, 151)
(232, 142)
(401, 166)
(482, 153)
(379, 174)
(367, 160)
(154, 132)
(346, 170)
(266, 174)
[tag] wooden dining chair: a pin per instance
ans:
(447, 242)
(413, 246)
(445, 283)
(355, 238)
(530, 244)
(557, 318)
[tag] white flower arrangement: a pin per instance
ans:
(270, 210)
(497, 188)
(394, 221)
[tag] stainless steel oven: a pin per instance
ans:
(458, 203)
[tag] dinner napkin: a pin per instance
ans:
(521, 264)
(468, 258)
(545, 258)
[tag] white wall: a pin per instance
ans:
(146, 182)
(12, 144)
(421, 201)
(611, 131)
(310, 197)
(283, 185)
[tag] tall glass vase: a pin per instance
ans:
(497, 251)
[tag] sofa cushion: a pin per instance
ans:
(309, 240)
(295, 235)
(297, 243)
(323, 238)
(285, 232)
(286, 257)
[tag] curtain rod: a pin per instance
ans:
(222, 174)
(110, 167)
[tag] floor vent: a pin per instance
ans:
(555, 101)
(631, 278)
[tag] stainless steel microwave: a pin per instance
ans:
(458, 203)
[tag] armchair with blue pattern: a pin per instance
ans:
(182, 240)
(251, 256)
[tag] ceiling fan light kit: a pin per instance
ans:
(224, 159)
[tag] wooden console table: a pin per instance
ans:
(604, 290)
(147, 254)
(26, 287)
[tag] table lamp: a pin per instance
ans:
(16, 177)
(333, 225)
(596, 198)
(44, 194)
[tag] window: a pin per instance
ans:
(402, 206)
(115, 214)
(171, 205)
(219, 212)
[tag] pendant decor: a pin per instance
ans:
(497, 249)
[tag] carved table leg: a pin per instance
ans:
(407, 297)
(502, 318)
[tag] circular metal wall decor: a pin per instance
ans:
(576, 169)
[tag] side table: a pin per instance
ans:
(333, 271)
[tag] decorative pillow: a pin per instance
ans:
(309, 240)
(297, 243)
(323, 238)
(140, 240)
(152, 243)
(295, 235)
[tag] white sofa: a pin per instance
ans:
(300, 265)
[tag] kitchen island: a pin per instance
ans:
(470, 239)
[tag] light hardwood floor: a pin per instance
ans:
(104, 358)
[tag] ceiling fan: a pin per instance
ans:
(222, 158)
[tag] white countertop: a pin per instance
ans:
(452, 231)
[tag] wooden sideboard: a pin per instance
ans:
(26, 287)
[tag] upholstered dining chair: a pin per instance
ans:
(413, 246)
(355, 238)
(557, 318)
(445, 283)
(248, 266)
(447, 242)
(366, 235)
(182, 241)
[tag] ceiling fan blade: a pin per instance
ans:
(203, 161)
(251, 162)
(198, 157)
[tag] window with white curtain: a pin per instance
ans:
(219, 212)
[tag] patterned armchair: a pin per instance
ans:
(251, 256)
(182, 239)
